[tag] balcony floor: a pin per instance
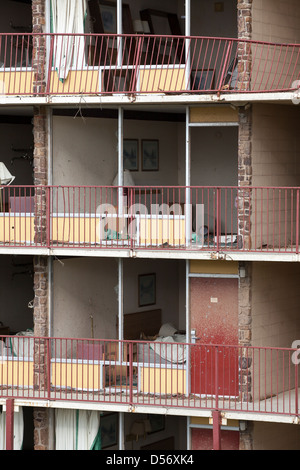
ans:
(278, 408)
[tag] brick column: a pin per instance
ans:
(39, 46)
(245, 176)
(40, 136)
(41, 291)
(246, 437)
(244, 8)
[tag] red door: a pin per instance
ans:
(214, 317)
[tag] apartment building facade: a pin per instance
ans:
(149, 230)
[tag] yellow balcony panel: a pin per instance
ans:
(16, 373)
(163, 79)
(17, 229)
(16, 82)
(77, 81)
(158, 230)
(162, 380)
(81, 375)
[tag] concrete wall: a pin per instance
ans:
(276, 20)
(275, 145)
(275, 323)
(275, 162)
(275, 304)
(270, 436)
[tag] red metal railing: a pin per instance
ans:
(58, 64)
(207, 218)
(152, 373)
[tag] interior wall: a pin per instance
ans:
(15, 17)
(85, 287)
(169, 284)
(276, 21)
(85, 151)
(16, 291)
(170, 424)
(17, 136)
(206, 21)
(214, 153)
(89, 286)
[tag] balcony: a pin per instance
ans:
(195, 221)
(156, 373)
(105, 65)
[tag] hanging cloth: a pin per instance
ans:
(18, 430)
(77, 430)
(68, 18)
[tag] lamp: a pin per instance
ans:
(140, 428)
(127, 179)
(5, 179)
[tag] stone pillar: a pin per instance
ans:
(244, 8)
(40, 136)
(41, 429)
(245, 177)
(39, 46)
(41, 291)
(246, 437)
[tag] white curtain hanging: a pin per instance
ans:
(68, 17)
(77, 430)
(18, 430)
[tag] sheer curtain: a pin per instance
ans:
(77, 430)
(18, 430)
(67, 18)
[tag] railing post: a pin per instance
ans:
(216, 413)
(296, 390)
(130, 373)
(49, 64)
(10, 424)
(48, 216)
(48, 359)
(225, 66)
(216, 430)
(216, 377)
(297, 222)
(218, 219)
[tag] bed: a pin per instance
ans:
(160, 355)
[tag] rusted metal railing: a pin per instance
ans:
(202, 218)
(93, 64)
(156, 373)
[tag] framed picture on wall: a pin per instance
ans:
(157, 423)
(131, 154)
(150, 155)
(108, 16)
(147, 289)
